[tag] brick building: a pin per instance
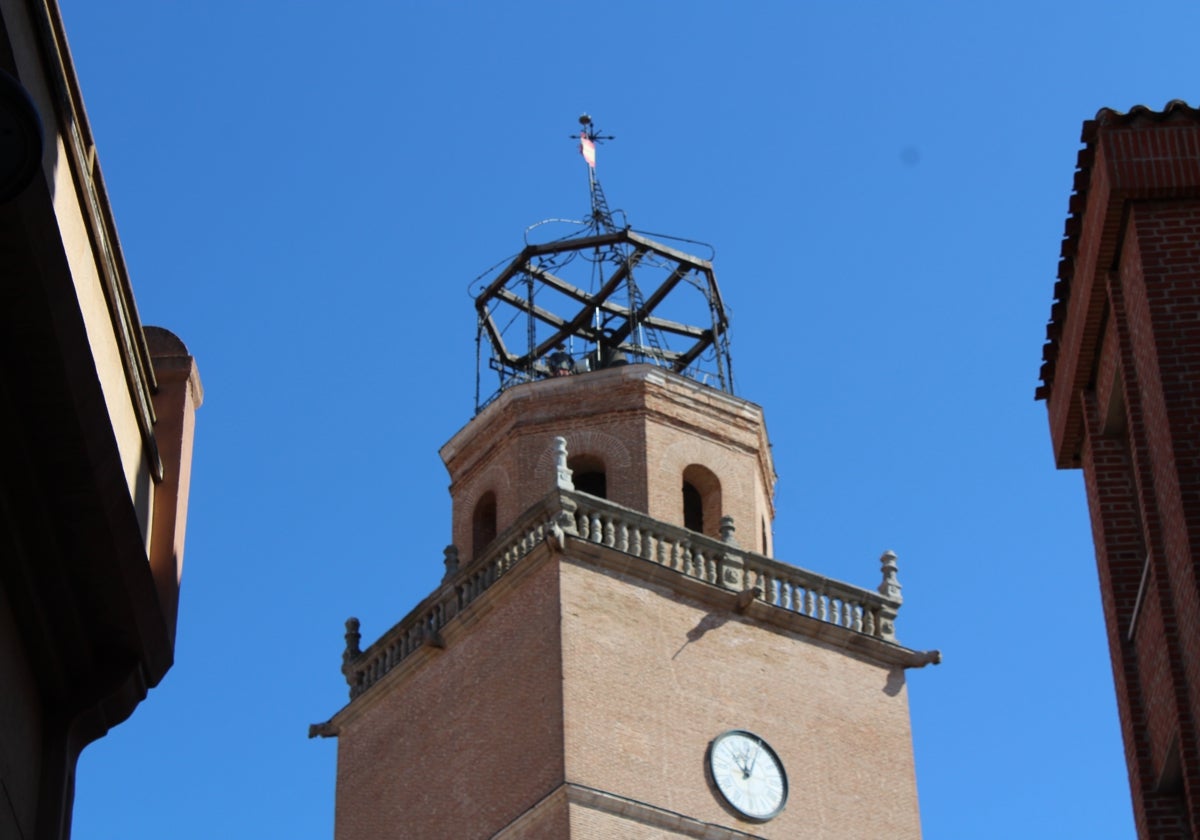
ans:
(613, 651)
(1121, 380)
(95, 459)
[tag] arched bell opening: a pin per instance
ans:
(483, 523)
(588, 475)
(701, 500)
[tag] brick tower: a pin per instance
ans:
(607, 657)
(1121, 381)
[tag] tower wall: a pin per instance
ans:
(577, 698)
(1122, 384)
(651, 677)
(645, 424)
(458, 742)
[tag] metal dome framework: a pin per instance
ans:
(537, 311)
(579, 303)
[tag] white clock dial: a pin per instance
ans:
(748, 774)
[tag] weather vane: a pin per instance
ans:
(588, 138)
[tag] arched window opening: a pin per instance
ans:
(701, 501)
(693, 508)
(587, 472)
(483, 523)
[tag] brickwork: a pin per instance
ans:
(569, 674)
(461, 743)
(645, 425)
(590, 824)
(1122, 382)
(651, 678)
(576, 694)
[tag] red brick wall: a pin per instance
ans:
(461, 743)
(646, 425)
(564, 672)
(650, 678)
(1126, 397)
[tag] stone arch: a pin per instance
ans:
(589, 473)
(591, 449)
(495, 481)
(721, 463)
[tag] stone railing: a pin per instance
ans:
(423, 625)
(567, 515)
(722, 563)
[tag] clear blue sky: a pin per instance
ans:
(305, 190)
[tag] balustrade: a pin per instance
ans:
(571, 514)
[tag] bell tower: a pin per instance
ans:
(613, 650)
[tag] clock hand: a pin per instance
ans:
(754, 760)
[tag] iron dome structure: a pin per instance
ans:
(603, 295)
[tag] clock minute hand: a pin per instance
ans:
(754, 760)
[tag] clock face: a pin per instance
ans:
(748, 774)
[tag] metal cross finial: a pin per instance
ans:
(588, 138)
(589, 130)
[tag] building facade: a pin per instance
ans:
(98, 414)
(613, 651)
(1121, 381)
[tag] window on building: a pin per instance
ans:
(701, 501)
(693, 508)
(483, 523)
(587, 472)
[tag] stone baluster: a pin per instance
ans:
(450, 555)
(353, 638)
(890, 589)
(727, 531)
(731, 571)
(563, 478)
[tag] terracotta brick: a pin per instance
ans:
(1123, 390)
(645, 424)
(577, 695)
